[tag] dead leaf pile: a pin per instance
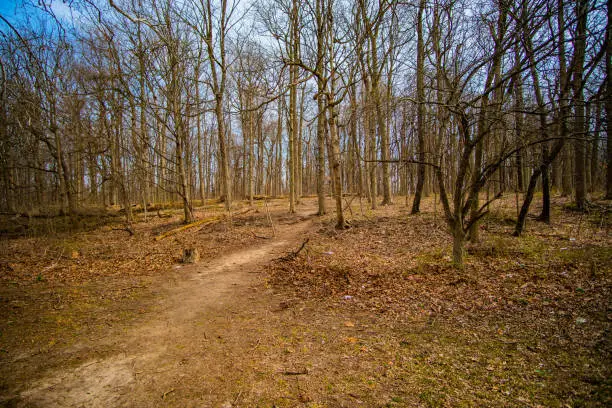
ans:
(542, 291)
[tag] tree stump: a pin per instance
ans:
(191, 255)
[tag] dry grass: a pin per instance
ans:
(371, 316)
(64, 288)
(525, 323)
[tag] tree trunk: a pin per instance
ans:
(545, 214)
(223, 154)
(279, 149)
(608, 102)
(299, 168)
(458, 244)
(594, 185)
(293, 121)
(520, 222)
(335, 167)
(369, 122)
(527, 199)
(579, 105)
(420, 88)
(321, 155)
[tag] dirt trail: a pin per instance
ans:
(186, 340)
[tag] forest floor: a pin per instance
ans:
(371, 316)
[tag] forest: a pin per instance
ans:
(146, 103)
(396, 201)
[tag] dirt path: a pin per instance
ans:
(190, 346)
(374, 316)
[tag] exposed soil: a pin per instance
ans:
(153, 357)
(137, 352)
(371, 316)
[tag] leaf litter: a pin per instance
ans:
(525, 322)
(372, 316)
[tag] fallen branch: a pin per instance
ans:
(236, 399)
(53, 265)
(167, 392)
(292, 255)
(162, 215)
(256, 344)
(301, 372)
(204, 221)
(133, 287)
(186, 227)
(127, 229)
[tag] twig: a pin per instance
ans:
(167, 392)
(269, 217)
(348, 204)
(301, 372)
(128, 228)
(129, 262)
(92, 363)
(54, 264)
(237, 397)
(256, 344)
(133, 287)
(292, 255)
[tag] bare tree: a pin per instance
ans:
(420, 89)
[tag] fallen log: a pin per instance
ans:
(204, 221)
(188, 226)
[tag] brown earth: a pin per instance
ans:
(161, 356)
(371, 316)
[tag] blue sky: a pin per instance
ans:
(16, 10)
(7, 8)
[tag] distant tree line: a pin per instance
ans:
(156, 101)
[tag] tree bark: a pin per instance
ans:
(416, 203)
(608, 104)
(579, 105)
